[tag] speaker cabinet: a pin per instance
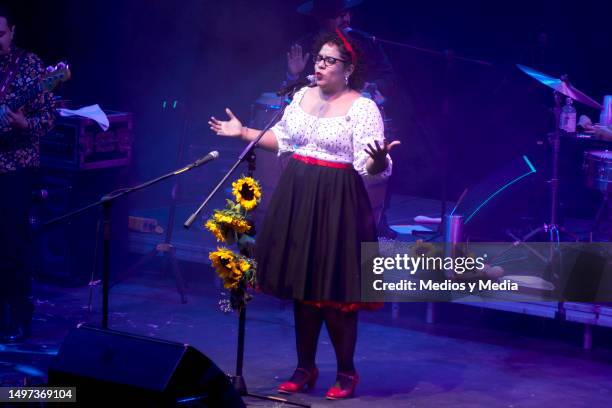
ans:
(115, 367)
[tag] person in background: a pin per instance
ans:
(20, 130)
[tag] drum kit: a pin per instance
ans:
(597, 164)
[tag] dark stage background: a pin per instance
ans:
(459, 123)
(130, 55)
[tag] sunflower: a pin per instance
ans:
(229, 225)
(222, 218)
(213, 227)
(228, 266)
(244, 265)
(232, 220)
(223, 260)
(232, 281)
(247, 192)
(240, 225)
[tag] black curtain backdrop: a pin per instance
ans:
(130, 55)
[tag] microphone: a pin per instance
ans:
(209, 157)
(310, 81)
(202, 160)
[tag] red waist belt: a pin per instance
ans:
(319, 162)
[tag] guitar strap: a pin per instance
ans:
(11, 71)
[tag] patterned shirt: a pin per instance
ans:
(20, 148)
(338, 139)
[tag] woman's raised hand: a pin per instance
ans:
(231, 127)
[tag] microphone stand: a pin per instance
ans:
(242, 158)
(106, 203)
(248, 154)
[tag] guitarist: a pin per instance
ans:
(20, 130)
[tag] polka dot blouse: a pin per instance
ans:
(339, 139)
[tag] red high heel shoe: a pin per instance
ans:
(341, 389)
(300, 378)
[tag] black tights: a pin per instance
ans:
(342, 329)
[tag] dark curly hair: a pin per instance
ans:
(6, 12)
(357, 78)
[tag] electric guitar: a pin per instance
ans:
(53, 76)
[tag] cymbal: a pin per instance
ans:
(561, 86)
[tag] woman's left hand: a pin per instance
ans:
(378, 154)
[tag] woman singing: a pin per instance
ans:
(309, 247)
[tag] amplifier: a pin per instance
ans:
(80, 143)
(67, 252)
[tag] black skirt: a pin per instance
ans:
(309, 246)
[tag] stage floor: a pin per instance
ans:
(402, 363)
(470, 357)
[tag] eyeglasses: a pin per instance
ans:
(328, 60)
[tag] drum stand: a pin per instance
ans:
(602, 214)
(553, 229)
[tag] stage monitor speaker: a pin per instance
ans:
(114, 367)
